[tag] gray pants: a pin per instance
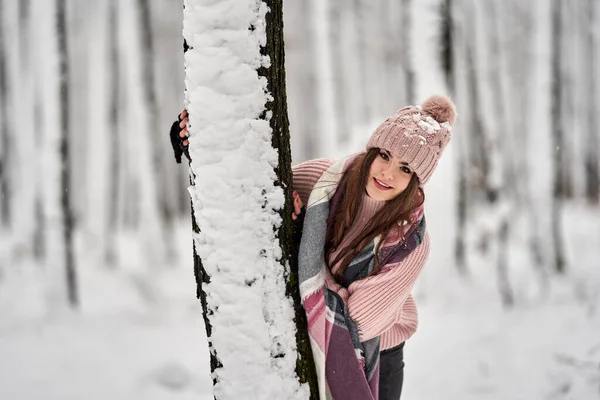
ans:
(391, 373)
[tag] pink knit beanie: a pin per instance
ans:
(417, 134)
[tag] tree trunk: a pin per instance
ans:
(477, 143)
(504, 287)
(63, 54)
(335, 13)
(447, 44)
(110, 255)
(39, 231)
(592, 173)
(5, 142)
(557, 139)
(165, 210)
(364, 111)
(207, 279)
(275, 75)
(406, 50)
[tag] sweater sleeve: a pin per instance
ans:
(306, 174)
(375, 302)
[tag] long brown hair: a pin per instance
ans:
(391, 216)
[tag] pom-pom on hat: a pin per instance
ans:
(418, 134)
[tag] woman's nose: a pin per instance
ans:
(388, 172)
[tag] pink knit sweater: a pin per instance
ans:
(381, 305)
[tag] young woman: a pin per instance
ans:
(363, 246)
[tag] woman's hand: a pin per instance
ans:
(183, 133)
(297, 206)
(297, 223)
(178, 135)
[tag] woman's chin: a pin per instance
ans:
(377, 194)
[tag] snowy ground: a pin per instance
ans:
(127, 344)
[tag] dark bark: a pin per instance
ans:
(460, 249)
(305, 367)
(39, 249)
(447, 44)
(592, 173)
(202, 278)
(567, 98)
(506, 292)
(5, 142)
(557, 138)
(65, 183)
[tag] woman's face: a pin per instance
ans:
(388, 177)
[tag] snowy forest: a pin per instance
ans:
(97, 286)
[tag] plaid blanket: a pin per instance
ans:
(347, 368)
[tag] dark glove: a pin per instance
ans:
(177, 142)
(297, 226)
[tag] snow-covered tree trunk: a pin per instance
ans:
(239, 144)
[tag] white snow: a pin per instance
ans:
(122, 347)
(139, 333)
(236, 201)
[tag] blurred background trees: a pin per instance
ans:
(523, 75)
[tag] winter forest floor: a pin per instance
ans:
(133, 340)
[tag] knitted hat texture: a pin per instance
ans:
(418, 134)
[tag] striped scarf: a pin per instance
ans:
(347, 368)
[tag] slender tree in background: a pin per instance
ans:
(335, 13)
(592, 169)
(67, 220)
(39, 232)
(447, 33)
(556, 112)
(406, 51)
(166, 213)
(276, 115)
(114, 118)
(453, 38)
(5, 140)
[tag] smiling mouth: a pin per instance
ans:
(380, 185)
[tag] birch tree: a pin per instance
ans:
(241, 199)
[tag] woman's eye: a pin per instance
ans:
(384, 156)
(406, 170)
